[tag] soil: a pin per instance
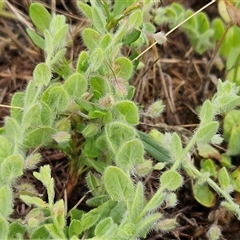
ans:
(173, 73)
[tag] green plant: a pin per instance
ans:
(88, 113)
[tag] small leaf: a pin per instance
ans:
(118, 184)
(176, 146)
(96, 59)
(82, 62)
(42, 74)
(131, 37)
(17, 101)
(130, 154)
(204, 195)
(16, 228)
(40, 16)
(223, 178)
(41, 233)
(3, 228)
(45, 177)
(85, 9)
(58, 214)
(37, 40)
(123, 68)
(91, 38)
(129, 110)
(206, 132)
(75, 85)
(6, 148)
(231, 119)
(136, 19)
(11, 168)
(207, 113)
(6, 200)
(13, 130)
(32, 94)
(234, 141)
(36, 201)
(103, 226)
(171, 180)
(99, 20)
(75, 228)
(56, 98)
(60, 37)
(38, 137)
(100, 85)
(138, 202)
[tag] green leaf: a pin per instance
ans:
(75, 85)
(11, 168)
(58, 212)
(204, 195)
(206, 132)
(56, 98)
(16, 228)
(54, 231)
(120, 5)
(32, 94)
(231, 119)
(75, 228)
(106, 41)
(131, 37)
(123, 68)
(42, 74)
(93, 183)
(153, 148)
(3, 228)
(223, 178)
(13, 131)
(6, 201)
(60, 37)
(36, 201)
(103, 226)
(138, 202)
(176, 146)
(146, 224)
(45, 177)
(17, 101)
(130, 154)
(82, 62)
(99, 20)
(97, 201)
(85, 9)
(136, 18)
(32, 118)
(96, 59)
(235, 179)
(234, 141)
(208, 166)
(57, 23)
(129, 110)
(171, 180)
(91, 38)
(219, 28)
(207, 113)
(6, 148)
(38, 137)
(39, 16)
(100, 85)
(37, 40)
(41, 233)
(118, 184)
(117, 133)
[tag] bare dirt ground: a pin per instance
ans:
(173, 73)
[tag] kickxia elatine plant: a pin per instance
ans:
(88, 113)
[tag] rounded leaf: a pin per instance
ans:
(171, 180)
